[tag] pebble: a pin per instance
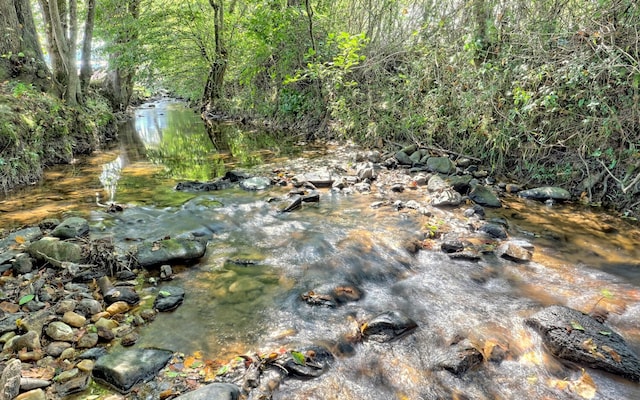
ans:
(37, 394)
(58, 330)
(73, 319)
(118, 307)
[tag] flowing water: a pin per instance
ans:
(245, 294)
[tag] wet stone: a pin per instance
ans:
(517, 251)
(214, 391)
(317, 361)
(129, 339)
(125, 369)
(124, 294)
(71, 228)
(446, 198)
(460, 358)
(571, 335)
(166, 273)
(170, 250)
(169, 298)
(255, 183)
(494, 230)
(452, 246)
(388, 326)
(403, 158)
(546, 193)
(292, 205)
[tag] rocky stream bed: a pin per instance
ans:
(73, 299)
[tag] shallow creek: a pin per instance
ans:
(582, 259)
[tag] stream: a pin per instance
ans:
(244, 296)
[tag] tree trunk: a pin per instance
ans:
(61, 19)
(85, 68)
(21, 54)
(118, 85)
(213, 90)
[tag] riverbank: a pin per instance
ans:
(38, 130)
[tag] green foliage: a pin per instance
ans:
(25, 299)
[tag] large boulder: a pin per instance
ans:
(167, 251)
(546, 193)
(124, 370)
(574, 336)
(55, 251)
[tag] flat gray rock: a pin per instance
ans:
(168, 251)
(124, 370)
(214, 391)
(71, 228)
(55, 251)
(574, 336)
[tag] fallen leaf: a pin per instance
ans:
(156, 246)
(20, 239)
(189, 361)
(575, 325)
(298, 357)
(585, 387)
(616, 357)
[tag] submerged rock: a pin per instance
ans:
(388, 326)
(460, 358)
(196, 186)
(446, 198)
(169, 250)
(124, 370)
(546, 193)
(169, 298)
(255, 183)
(316, 361)
(214, 391)
(574, 336)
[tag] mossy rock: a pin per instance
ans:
(55, 251)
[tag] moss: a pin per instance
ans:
(37, 130)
